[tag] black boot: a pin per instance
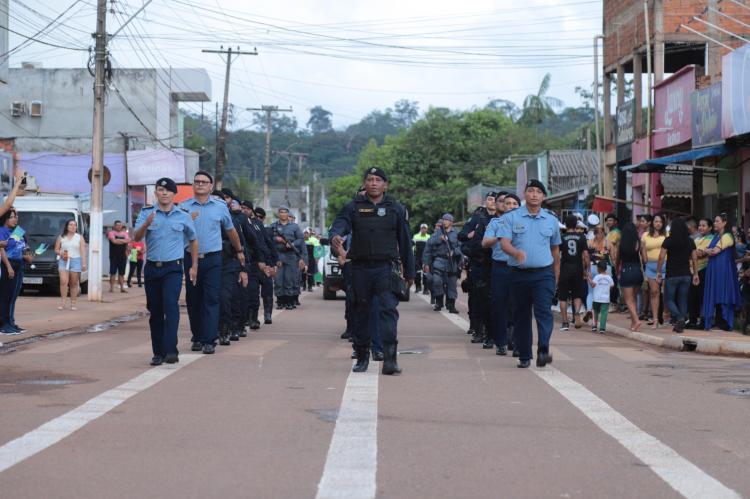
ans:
(254, 322)
(489, 342)
(234, 332)
(438, 304)
(224, 334)
(363, 360)
(280, 302)
(451, 306)
(478, 336)
(390, 365)
(267, 310)
(345, 335)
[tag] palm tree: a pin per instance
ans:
(244, 188)
(538, 106)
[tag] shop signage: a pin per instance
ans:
(625, 125)
(706, 111)
(672, 123)
(735, 92)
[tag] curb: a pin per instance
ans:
(10, 344)
(686, 343)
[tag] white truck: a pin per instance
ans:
(43, 218)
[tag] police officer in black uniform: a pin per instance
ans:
(380, 238)
(479, 269)
(266, 279)
(262, 256)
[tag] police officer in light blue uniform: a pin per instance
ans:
(211, 215)
(500, 275)
(530, 235)
(166, 228)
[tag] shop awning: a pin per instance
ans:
(676, 162)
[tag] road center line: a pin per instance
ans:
(63, 426)
(351, 464)
(679, 473)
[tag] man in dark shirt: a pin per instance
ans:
(118, 256)
(574, 265)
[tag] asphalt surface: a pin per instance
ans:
(258, 418)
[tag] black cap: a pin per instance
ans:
(227, 192)
(538, 184)
(491, 194)
(612, 216)
(376, 171)
(512, 195)
(260, 211)
(167, 183)
(247, 204)
(204, 173)
(217, 193)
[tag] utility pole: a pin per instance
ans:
(219, 173)
(301, 157)
(97, 155)
(269, 110)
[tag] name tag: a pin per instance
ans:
(367, 210)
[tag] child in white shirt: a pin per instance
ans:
(602, 284)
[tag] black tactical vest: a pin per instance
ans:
(374, 231)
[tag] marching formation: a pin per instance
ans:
(229, 259)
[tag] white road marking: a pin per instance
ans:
(351, 464)
(63, 426)
(679, 473)
(682, 475)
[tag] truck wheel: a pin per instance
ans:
(84, 288)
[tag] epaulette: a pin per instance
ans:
(184, 209)
(148, 207)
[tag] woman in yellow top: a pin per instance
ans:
(705, 227)
(651, 242)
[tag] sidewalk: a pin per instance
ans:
(40, 317)
(715, 342)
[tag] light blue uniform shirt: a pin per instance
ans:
(212, 217)
(493, 230)
(534, 235)
(166, 236)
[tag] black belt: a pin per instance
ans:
(165, 263)
(532, 269)
(204, 255)
(370, 263)
(499, 263)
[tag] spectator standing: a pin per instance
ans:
(631, 271)
(613, 236)
(679, 252)
(722, 287)
(118, 255)
(602, 284)
(695, 296)
(137, 250)
(651, 243)
(599, 248)
(12, 254)
(71, 252)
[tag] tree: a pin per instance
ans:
(320, 120)
(406, 112)
(537, 107)
(507, 107)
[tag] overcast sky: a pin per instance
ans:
(348, 56)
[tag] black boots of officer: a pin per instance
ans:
(363, 359)
(390, 364)
(438, 304)
(224, 334)
(479, 335)
(451, 306)
(234, 332)
(254, 322)
(267, 310)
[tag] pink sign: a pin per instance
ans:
(672, 105)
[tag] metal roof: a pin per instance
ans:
(571, 169)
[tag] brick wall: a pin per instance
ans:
(624, 25)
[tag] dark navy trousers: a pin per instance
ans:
(370, 279)
(501, 302)
(532, 290)
(163, 286)
(203, 298)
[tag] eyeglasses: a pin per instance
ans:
(201, 182)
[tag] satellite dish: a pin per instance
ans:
(593, 219)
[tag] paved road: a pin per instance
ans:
(279, 415)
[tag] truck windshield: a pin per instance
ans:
(43, 224)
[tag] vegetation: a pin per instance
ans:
(432, 157)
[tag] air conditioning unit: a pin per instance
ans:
(17, 109)
(36, 108)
